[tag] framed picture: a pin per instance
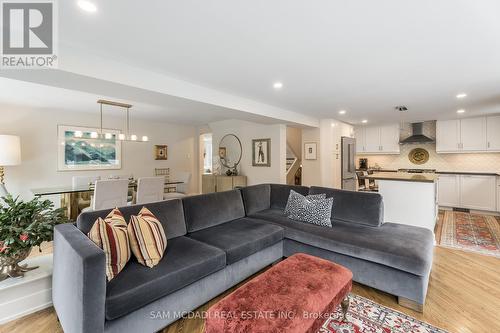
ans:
(161, 152)
(261, 152)
(79, 148)
(310, 150)
(222, 152)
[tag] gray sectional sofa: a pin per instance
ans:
(216, 241)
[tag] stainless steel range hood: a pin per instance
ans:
(417, 135)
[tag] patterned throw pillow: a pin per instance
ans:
(147, 238)
(110, 234)
(296, 198)
(317, 211)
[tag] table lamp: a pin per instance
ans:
(10, 154)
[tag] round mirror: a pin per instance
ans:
(230, 151)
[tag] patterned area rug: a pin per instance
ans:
(365, 316)
(471, 232)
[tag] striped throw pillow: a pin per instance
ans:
(147, 238)
(110, 234)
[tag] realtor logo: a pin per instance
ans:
(28, 31)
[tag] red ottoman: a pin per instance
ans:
(296, 295)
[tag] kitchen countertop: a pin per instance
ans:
(474, 173)
(404, 176)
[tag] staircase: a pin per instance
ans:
(293, 176)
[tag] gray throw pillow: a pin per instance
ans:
(296, 198)
(317, 211)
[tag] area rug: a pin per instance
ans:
(471, 232)
(365, 316)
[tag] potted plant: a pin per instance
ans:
(22, 226)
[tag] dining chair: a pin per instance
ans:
(109, 194)
(150, 189)
(371, 182)
(181, 189)
(361, 181)
(84, 198)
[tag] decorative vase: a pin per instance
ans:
(9, 265)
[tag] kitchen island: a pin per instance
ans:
(408, 198)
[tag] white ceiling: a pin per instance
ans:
(363, 56)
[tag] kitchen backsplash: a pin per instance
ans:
(488, 162)
(440, 162)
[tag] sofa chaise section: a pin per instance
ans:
(358, 239)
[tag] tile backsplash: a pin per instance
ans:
(486, 162)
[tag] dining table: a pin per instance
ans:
(71, 195)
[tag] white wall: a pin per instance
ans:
(38, 131)
(325, 171)
(246, 131)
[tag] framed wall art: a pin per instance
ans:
(80, 148)
(261, 152)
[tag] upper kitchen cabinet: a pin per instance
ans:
(377, 139)
(447, 136)
(473, 134)
(468, 135)
(493, 133)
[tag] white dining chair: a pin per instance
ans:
(109, 194)
(84, 198)
(150, 189)
(181, 189)
(81, 181)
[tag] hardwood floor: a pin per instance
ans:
(463, 297)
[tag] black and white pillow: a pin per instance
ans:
(295, 199)
(316, 211)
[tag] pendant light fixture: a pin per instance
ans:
(127, 135)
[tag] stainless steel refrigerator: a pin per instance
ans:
(348, 166)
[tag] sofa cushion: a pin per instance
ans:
(169, 213)
(110, 234)
(240, 238)
(208, 210)
(147, 238)
(404, 247)
(185, 261)
(354, 207)
(280, 193)
(256, 197)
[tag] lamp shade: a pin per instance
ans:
(10, 150)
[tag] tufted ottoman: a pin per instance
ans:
(296, 295)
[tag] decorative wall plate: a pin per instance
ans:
(418, 156)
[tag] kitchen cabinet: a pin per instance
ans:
(377, 139)
(493, 133)
(359, 134)
(480, 134)
(449, 190)
(448, 135)
(473, 134)
(389, 139)
(372, 139)
(478, 192)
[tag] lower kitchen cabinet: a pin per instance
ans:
(449, 190)
(478, 192)
(468, 191)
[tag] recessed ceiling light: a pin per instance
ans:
(364, 121)
(462, 95)
(342, 111)
(87, 6)
(461, 111)
(277, 85)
